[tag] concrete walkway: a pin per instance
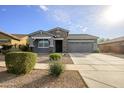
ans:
(107, 71)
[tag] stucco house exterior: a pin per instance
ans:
(59, 40)
(115, 45)
(23, 39)
(13, 39)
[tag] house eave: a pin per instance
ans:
(40, 37)
(11, 36)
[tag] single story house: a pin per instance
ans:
(113, 46)
(59, 40)
(7, 39)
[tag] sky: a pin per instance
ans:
(84, 19)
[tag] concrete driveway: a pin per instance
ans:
(101, 70)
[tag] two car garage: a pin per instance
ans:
(82, 43)
(80, 47)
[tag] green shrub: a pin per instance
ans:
(24, 48)
(20, 62)
(56, 68)
(4, 52)
(6, 47)
(96, 51)
(55, 56)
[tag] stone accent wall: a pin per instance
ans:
(95, 46)
(61, 34)
(65, 46)
(51, 50)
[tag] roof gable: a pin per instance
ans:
(35, 33)
(40, 33)
(58, 28)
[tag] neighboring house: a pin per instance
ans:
(7, 39)
(59, 40)
(115, 45)
(23, 39)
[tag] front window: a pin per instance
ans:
(44, 43)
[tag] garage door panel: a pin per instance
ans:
(80, 47)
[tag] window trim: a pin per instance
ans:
(43, 44)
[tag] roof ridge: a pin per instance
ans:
(58, 29)
(82, 34)
(36, 32)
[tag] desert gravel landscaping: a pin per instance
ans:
(44, 58)
(41, 79)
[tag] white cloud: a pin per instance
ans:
(61, 16)
(82, 28)
(44, 8)
(65, 18)
(79, 26)
(85, 29)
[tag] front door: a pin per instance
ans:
(58, 45)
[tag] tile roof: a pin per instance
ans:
(81, 36)
(70, 36)
(41, 32)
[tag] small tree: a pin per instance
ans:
(55, 56)
(56, 68)
(24, 47)
(100, 40)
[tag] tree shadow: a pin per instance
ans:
(43, 82)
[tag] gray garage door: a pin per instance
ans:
(80, 46)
